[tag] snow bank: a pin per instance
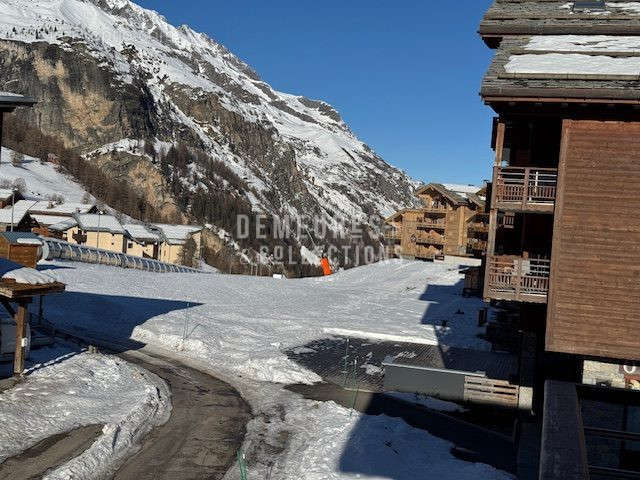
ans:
(82, 389)
(20, 274)
(343, 445)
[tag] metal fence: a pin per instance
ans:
(58, 249)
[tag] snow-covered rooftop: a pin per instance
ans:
(5, 193)
(177, 234)
(31, 276)
(63, 225)
(98, 223)
(141, 233)
(46, 207)
(20, 209)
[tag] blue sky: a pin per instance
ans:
(404, 75)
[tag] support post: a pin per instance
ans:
(21, 337)
(493, 213)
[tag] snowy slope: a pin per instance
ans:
(41, 180)
(183, 69)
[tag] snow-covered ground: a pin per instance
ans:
(241, 324)
(66, 389)
(236, 327)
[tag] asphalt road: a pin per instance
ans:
(205, 431)
(199, 441)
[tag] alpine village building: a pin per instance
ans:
(564, 239)
(451, 221)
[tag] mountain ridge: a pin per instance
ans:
(110, 74)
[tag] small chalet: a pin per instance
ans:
(47, 212)
(23, 248)
(16, 217)
(98, 231)
(9, 196)
(142, 241)
(448, 223)
(174, 238)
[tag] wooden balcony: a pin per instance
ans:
(424, 236)
(435, 209)
(526, 189)
(392, 234)
(478, 227)
(477, 244)
(439, 224)
(518, 279)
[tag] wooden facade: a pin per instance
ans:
(448, 223)
(564, 205)
(22, 248)
(594, 301)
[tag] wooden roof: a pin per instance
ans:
(12, 290)
(9, 101)
(557, 17)
(499, 85)
(455, 198)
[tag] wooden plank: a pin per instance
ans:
(594, 292)
(21, 338)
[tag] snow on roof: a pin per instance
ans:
(20, 209)
(31, 276)
(5, 193)
(141, 232)
(21, 237)
(45, 207)
(176, 234)
(98, 223)
(48, 220)
(64, 225)
(459, 188)
(573, 64)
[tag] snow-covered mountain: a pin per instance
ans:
(112, 79)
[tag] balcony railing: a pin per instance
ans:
(478, 227)
(393, 234)
(516, 278)
(436, 208)
(477, 244)
(424, 236)
(526, 188)
(427, 223)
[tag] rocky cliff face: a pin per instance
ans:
(114, 80)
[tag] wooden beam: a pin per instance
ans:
(499, 145)
(21, 337)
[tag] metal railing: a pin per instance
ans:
(518, 277)
(58, 249)
(526, 185)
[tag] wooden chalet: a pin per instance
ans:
(47, 213)
(452, 221)
(16, 217)
(98, 231)
(564, 222)
(23, 248)
(142, 241)
(9, 196)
